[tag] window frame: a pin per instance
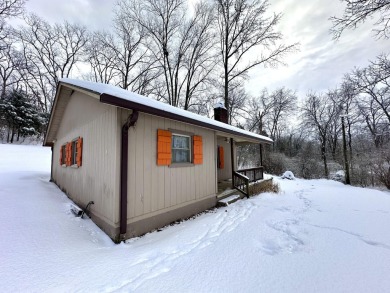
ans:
(190, 156)
(63, 153)
(73, 158)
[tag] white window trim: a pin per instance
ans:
(63, 159)
(189, 149)
(74, 152)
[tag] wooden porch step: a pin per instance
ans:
(226, 193)
(229, 200)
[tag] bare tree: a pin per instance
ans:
(334, 130)
(318, 113)
(284, 102)
(374, 83)
(382, 168)
(50, 52)
(358, 11)
(201, 58)
(348, 98)
(101, 58)
(372, 116)
(180, 43)
(258, 108)
(267, 112)
(11, 65)
(238, 98)
(245, 30)
(8, 9)
(11, 8)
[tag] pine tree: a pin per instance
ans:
(20, 116)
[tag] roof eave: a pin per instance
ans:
(54, 107)
(45, 142)
(119, 102)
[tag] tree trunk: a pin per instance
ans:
(323, 154)
(12, 136)
(8, 134)
(346, 164)
(226, 72)
(226, 88)
(387, 183)
(350, 148)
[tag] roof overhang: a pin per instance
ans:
(121, 98)
(119, 102)
(63, 93)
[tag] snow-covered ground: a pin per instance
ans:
(316, 236)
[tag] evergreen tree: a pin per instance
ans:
(20, 116)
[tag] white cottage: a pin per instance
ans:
(143, 163)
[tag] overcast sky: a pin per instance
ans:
(319, 65)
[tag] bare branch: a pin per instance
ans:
(358, 11)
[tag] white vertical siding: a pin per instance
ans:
(153, 189)
(97, 178)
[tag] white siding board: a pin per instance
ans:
(167, 174)
(148, 196)
(163, 188)
(156, 194)
(95, 179)
(139, 163)
(158, 183)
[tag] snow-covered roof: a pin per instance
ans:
(123, 98)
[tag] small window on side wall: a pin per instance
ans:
(63, 155)
(71, 153)
(74, 152)
(178, 149)
(181, 148)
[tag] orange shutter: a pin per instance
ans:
(79, 146)
(68, 154)
(221, 156)
(198, 150)
(164, 147)
(61, 156)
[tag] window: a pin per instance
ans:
(63, 155)
(178, 148)
(71, 153)
(181, 148)
(74, 153)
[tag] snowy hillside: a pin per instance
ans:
(316, 236)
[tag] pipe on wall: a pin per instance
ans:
(131, 121)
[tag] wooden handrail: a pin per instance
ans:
(254, 174)
(241, 178)
(241, 182)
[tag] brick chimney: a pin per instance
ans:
(220, 113)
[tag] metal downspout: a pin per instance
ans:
(232, 160)
(131, 120)
(261, 154)
(51, 165)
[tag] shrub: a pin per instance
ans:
(264, 186)
(274, 163)
(288, 175)
(310, 168)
